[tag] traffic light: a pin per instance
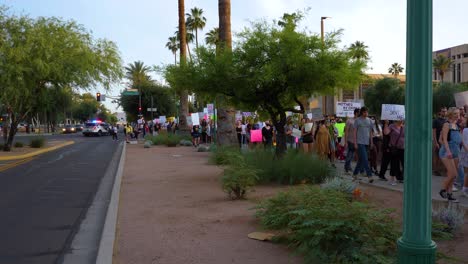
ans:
(139, 109)
(98, 97)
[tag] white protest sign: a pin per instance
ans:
(189, 120)
(393, 112)
(195, 119)
(296, 133)
(310, 116)
(205, 110)
(238, 117)
(162, 119)
(210, 108)
(346, 109)
(308, 127)
(461, 99)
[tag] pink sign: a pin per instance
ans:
(256, 136)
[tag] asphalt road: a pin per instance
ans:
(43, 202)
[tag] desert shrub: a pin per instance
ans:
(238, 177)
(326, 227)
(340, 184)
(294, 167)
(169, 140)
(19, 144)
(440, 231)
(37, 142)
(448, 219)
(172, 140)
(220, 154)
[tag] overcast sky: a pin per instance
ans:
(141, 27)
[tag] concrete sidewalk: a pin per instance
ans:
(436, 185)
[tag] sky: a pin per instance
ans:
(141, 28)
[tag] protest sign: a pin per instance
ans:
(317, 113)
(205, 110)
(247, 114)
(238, 117)
(189, 121)
(393, 112)
(255, 135)
(162, 119)
(288, 114)
(310, 116)
(461, 99)
(210, 108)
(346, 109)
(195, 119)
(308, 127)
(296, 133)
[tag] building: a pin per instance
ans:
(458, 70)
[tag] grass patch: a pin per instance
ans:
(169, 140)
(38, 142)
(19, 144)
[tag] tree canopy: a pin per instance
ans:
(36, 54)
(384, 91)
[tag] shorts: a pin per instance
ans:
(453, 148)
(464, 159)
(196, 135)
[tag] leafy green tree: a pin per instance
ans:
(441, 64)
(384, 91)
(212, 37)
(443, 95)
(196, 21)
(189, 37)
(395, 69)
(272, 67)
(85, 107)
(359, 51)
(173, 46)
(137, 73)
(49, 52)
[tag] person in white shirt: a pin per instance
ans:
(464, 158)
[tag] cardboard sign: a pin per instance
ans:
(461, 99)
(296, 133)
(308, 127)
(346, 109)
(195, 119)
(255, 135)
(393, 112)
(162, 119)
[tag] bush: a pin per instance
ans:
(339, 184)
(169, 140)
(326, 227)
(293, 168)
(38, 142)
(448, 219)
(238, 178)
(19, 144)
(220, 154)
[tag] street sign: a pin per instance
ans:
(131, 92)
(151, 109)
(103, 97)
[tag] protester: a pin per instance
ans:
(204, 128)
(114, 133)
(396, 131)
(208, 132)
(350, 141)
(362, 139)
(196, 135)
(461, 172)
(290, 139)
(450, 140)
(267, 135)
(128, 132)
(464, 158)
(322, 140)
(436, 128)
(330, 124)
(376, 150)
(239, 133)
(307, 136)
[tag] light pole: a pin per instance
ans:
(325, 98)
(416, 245)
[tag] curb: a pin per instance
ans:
(106, 245)
(38, 152)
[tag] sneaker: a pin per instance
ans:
(454, 189)
(465, 193)
(355, 177)
(370, 179)
(443, 194)
(452, 199)
(393, 183)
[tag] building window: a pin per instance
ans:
(454, 73)
(458, 73)
(465, 55)
(458, 56)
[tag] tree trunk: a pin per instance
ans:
(11, 133)
(183, 110)
(190, 54)
(175, 58)
(226, 115)
(196, 40)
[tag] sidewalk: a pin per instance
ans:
(172, 210)
(436, 185)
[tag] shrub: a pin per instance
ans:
(294, 167)
(238, 178)
(220, 154)
(326, 227)
(38, 142)
(339, 184)
(172, 140)
(451, 217)
(19, 144)
(169, 140)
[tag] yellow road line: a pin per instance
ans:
(35, 153)
(14, 164)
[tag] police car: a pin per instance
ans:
(96, 128)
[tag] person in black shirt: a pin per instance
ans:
(267, 135)
(437, 125)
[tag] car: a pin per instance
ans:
(79, 127)
(96, 128)
(68, 129)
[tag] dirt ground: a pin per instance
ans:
(173, 211)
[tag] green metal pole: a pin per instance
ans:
(416, 245)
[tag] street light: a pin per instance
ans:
(325, 98)
(321, 27)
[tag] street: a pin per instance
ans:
(43, 201)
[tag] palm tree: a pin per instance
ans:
(189, 37)
(224, 10)
(137, 73)
(359, 51)
(173, 46)
(441, 64)
(395, 69)
(196, 21)
(212, 37)
(183, 93)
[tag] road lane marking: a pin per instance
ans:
(14, 164)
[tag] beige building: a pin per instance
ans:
(458, 70)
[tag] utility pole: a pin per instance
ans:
(416, 245)
(152, 107)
